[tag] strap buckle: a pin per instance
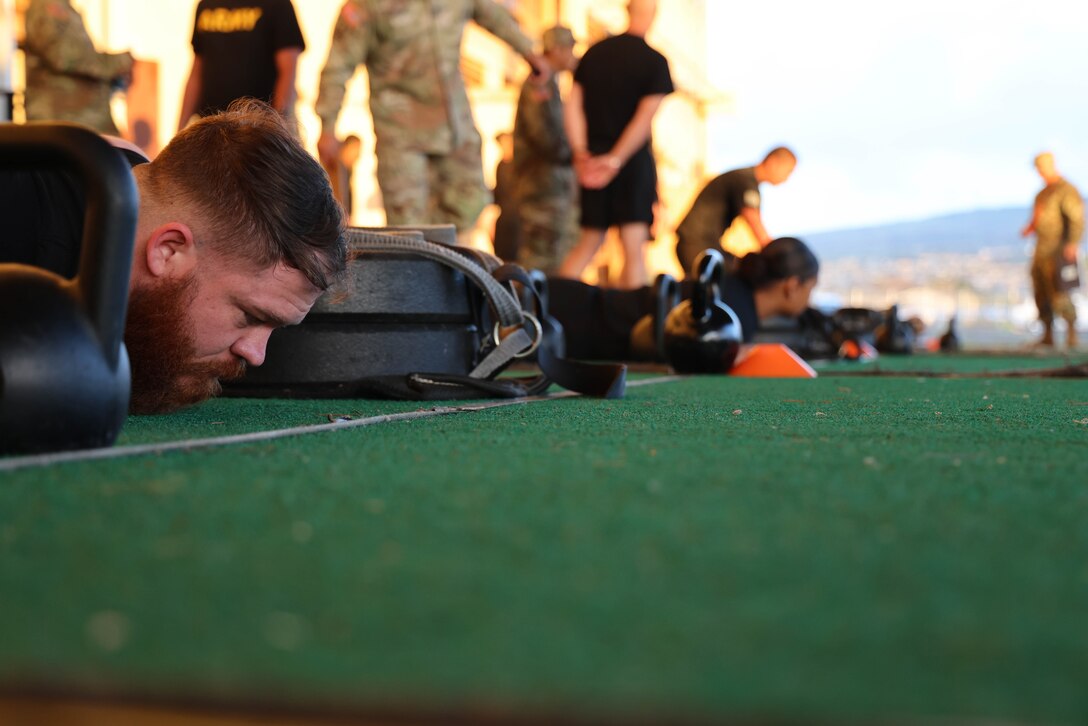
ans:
(538, 335)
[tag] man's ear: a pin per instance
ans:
(171, 251)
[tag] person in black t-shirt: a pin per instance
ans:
(217, 264)
(726, 197)
(618, 87)
(598, 322)
(242, 49)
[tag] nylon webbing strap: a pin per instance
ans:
(502, 302)
(504, 352)
(604, 380)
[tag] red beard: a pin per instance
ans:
(161, 349)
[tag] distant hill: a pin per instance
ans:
(964, 232)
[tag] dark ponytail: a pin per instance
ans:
(783, 258)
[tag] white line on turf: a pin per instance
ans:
(118, 452)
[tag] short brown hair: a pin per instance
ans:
(781, 152)
(262, 197)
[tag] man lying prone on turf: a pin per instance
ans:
(238, 234)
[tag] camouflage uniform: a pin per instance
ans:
(1059, 221)
(66, 78)
(427, 145)
(545, 183)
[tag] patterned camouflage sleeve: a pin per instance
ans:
(348, 50)
(540, 123)
(55, 33)
(1073, 211)
(498, 21)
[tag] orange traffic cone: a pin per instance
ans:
(771, 360)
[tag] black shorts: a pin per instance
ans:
(629, 198)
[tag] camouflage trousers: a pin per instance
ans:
(1049, 299)
(422, 188)
(549, 229)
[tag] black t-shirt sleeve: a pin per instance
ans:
(580, 69)
(198, 46)
(738, 190)
(286, 32)
(746, 192)
(659, 79)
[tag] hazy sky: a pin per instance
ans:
(900, 109)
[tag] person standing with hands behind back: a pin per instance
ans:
(618, 88)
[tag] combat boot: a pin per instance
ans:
(1047, 341)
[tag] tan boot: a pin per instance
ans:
(1071, 338)
(1047, 341)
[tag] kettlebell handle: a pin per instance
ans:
(109, 223)
(708, 271)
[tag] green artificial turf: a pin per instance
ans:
(713, 547)
(222, 417)
(965, 363)
(229, 417)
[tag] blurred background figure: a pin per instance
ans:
(544, 176)
(243, 50)
(727, 197)
(67, 79)
(341, 175)
(7, 59)
(430, 170)
(507, 238)
(618, 88)
(1057, 222)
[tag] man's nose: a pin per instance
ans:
(252, 345)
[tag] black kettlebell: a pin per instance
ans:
(646, 341)
(950, 341)
(703, 334)
(64, 372)
(895, 335)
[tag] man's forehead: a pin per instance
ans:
(283, 279)
(278, 273)
(289, 275)
(276, 289)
